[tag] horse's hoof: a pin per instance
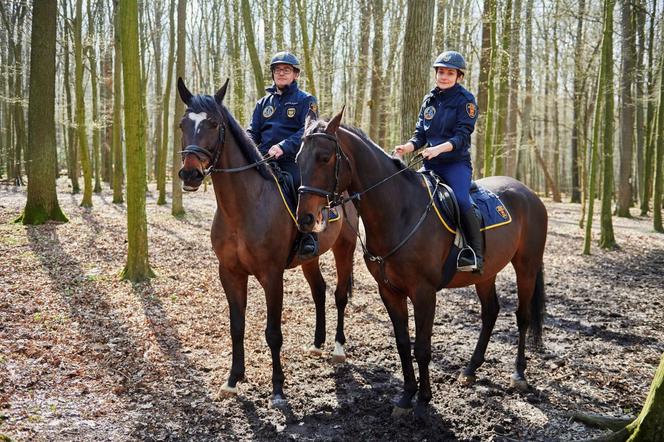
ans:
(518, 382)
(398, 411)
(226, 390)
(278, 401)
(421, 411)
(338, 355)
(467, 379)
(315, 351)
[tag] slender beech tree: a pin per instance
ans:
(118, 155)
(658, 186)
(91, 51)
(650, 140)
(137, 268)
(607, 239)
(306, 48)
(628, 52)
(376, 131)
(161, 169)
(177, 209)
(251, 46)
(362, 62)
(594, 159)
(503, 93)
(576, 161)
(488, 23)
(512, 146)
(42, 204)
(80, 107)
(72, 157)
(416, 77)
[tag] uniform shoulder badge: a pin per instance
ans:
(429, 112)
(501, 211)
(314, 107)
(268, 111)
(290, 112)
(471, 109)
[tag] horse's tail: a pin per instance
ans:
(537, 309)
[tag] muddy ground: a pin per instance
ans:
(86, 356)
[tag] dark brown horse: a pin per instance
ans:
(334, 159)
(252, 231)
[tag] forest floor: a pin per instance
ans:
(86, 356)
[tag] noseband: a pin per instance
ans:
(204, 153)
(334, 198)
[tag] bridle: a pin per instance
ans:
(334, 198)
(213, 159)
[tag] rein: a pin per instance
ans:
(201, 152)
(335, 199)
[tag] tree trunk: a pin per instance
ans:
(415, 77)
(649, 426)
(607, 239)
(177, 208)
(576, 103)
(628, 50)
(107, 100)
(72, 164)
(512, 146)
(376, 131)
(594, 158)
(308, 67)
(157, 144)
(526, 116)
(251, 46)
(137, 268)
(658, 186)
(503, 94)
(488, 24)
(650, 118)
(556, 117)
(640, 22)
(96, 135)
(362, 57)
(80, 107)
(161, 170)
(118, 156)
(42, 203)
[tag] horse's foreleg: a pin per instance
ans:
(398, 311)
(424, 306)
(343, 255)
(311, 270)
(486, 291)
(273, 284)
(235, 287)
(525, 279)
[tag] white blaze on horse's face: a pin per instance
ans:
(197, 118)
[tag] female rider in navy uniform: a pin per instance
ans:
(446, 121)
(277, 124)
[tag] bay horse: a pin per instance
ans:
(252, 231)
(406, 261)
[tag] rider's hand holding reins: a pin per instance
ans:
(276, 151)
(403, 149)
(434, 151)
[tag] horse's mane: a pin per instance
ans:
(217, 113)
(400, 165)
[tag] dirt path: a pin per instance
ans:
(85, 356)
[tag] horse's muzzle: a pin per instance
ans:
(191, 179)
(305, 222)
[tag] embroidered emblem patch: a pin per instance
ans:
(314, 107)
(429, 112)
(501, 211)
(290, 112)
(447, 57)
(268, 111)
(471, 109)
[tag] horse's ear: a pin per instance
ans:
(310, 118)
(185, 95)
(221, 93)
(334, 123)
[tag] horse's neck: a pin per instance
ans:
(237, 192)
(391, 207)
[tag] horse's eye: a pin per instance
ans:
(323, 158)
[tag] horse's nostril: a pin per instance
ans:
(306, 220)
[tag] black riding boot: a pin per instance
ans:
(467, 261)
(308, 245)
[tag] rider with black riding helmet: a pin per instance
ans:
(446, 121)
(277, 124)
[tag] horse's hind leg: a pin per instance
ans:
(235, 287)
(527, 274)
(343, 255)
(486, 290)
(311, 270)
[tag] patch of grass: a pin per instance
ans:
(38, 317)
(4, 438)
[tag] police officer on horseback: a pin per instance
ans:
(445, 122)
(277, 125)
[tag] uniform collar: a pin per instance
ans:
(290, 89)
(445, 92)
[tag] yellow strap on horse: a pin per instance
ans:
(283, 198)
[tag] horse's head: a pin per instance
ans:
(203, 129)
(324, 170)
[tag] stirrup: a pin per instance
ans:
(467, 267)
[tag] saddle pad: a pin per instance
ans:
(493, 211)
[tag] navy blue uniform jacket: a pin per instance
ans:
(279, 119)
(446, 115)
